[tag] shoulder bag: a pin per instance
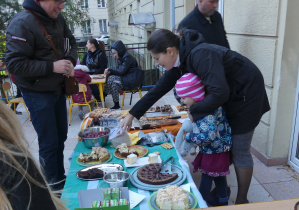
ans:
(71, 85)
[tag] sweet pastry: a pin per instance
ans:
(153, 158)
(124, 150)
(131, 159)
(172, 197)
(98, 154)
(181, 108)
(97, 173)
(93, 173)
(167, 146)
(98, 112)
(150, 174)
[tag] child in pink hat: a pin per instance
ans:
(212, 134)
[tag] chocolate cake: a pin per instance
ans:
(150, 174)
(93, 173)
(97, 173)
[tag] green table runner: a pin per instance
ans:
(73, 184)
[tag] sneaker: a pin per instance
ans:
(81, 115)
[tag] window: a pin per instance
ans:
(103, 25)
(84, 4)
(101, 3)
(86, 28)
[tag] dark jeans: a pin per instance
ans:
(206, 185)
(49, 117)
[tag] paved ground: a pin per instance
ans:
(268, 183)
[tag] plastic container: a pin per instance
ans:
(118, 136)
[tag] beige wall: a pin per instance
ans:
(264, 32)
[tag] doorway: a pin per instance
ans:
(294, 146)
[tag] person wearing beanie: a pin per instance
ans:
(120, 76)
(212, 134)
(81, 74)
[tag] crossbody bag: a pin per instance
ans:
(71, 85)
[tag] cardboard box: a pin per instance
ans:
(86, 197)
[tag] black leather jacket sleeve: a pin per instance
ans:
(165, 84)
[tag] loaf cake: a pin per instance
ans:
(150, 174)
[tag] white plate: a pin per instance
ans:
(140, 162)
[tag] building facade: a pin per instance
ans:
(265, 32)
(98, 25)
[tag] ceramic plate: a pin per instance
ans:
(153, 205)
(142, 151)
(176, 169)
(93, 162)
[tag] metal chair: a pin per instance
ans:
(10, 98)
(82, 89)
(132, 92)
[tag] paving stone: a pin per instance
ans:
(283, 190)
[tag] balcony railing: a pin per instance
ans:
(143, 57)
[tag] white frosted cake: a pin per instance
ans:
(132, 158)
(153, 158)
(172, 197)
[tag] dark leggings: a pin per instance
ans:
(95, 91)
(206, 185)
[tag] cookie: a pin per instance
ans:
(157, 153)
(167, 145)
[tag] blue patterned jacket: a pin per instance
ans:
(214, 133)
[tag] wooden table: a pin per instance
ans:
(100, 83)
(271, 205)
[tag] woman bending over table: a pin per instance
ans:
(96, 61)
(232, 81)
(120, 76)
(22, 185)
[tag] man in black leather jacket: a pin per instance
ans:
(40, 76)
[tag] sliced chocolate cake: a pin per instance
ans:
(150, 174)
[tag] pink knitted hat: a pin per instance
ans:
(190, 85)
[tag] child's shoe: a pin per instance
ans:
(218, 201)
(81, 115)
